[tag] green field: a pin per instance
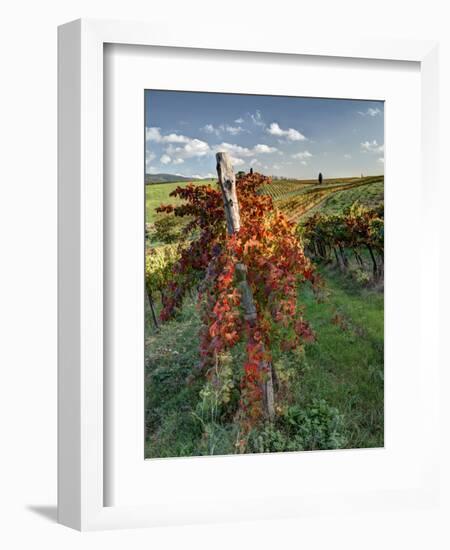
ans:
(159, 193)
(371, 195)
(297, 198)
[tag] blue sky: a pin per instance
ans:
(281, 136)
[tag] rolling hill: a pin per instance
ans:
(166, 178)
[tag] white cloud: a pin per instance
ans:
(372, 147)
(295, 135)
(304, 163)
(237, 161)
(238, 150)
(175, 138)
(347, 156)
(196, 148)
(149, 158)
(275, 130)
(370, 112)
(154, 134)
(291, 134)
(193, 148)
(233, 149)
(209, 129)
(264, 149)
(209, 175)
(217, 130)
(234, 130)
(302, 155)
(239, 120)
(257, 118)
(381, 160)
(179, 147)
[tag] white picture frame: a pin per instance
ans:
(81, 404)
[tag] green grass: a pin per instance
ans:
(170, 357)
(157, 194)
(345, 364)
(371, 196)
(300, 199)
(342, 371)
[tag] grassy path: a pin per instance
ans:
(346, 363)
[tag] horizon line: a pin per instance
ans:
(262, 173)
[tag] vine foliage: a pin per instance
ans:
(275, 269)
(355, 230)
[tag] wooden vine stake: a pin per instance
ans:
(227, 182)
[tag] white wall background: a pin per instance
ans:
(28, 269)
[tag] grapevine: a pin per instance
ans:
(275, 268)
(356, 229)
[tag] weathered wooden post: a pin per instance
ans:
(227, 182)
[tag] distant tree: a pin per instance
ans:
(320, 178)
(240, 174)
(251, 170)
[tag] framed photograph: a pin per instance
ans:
(241, 335)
